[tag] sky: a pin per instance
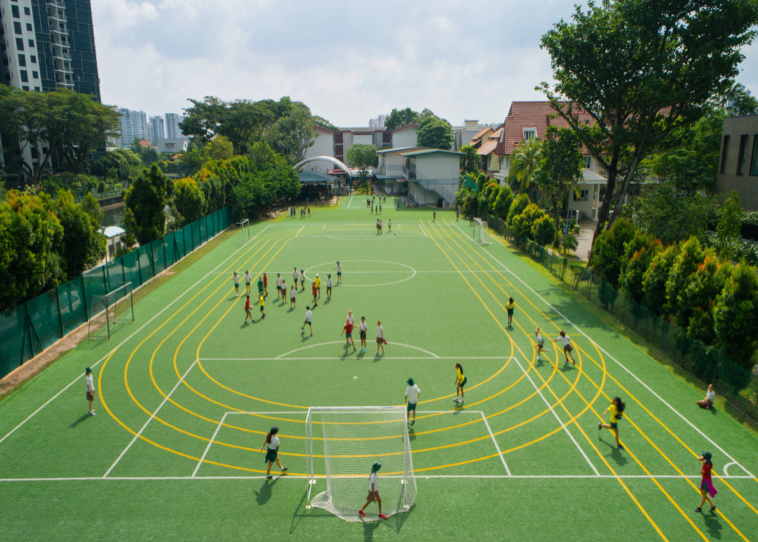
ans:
(349, 61)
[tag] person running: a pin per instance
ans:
(328, 287)
(294, 277)
(380, 342)
(308, 321)
(248, 280)
(265, 285)
(317, 283)
(236, 279)
(389, 225)
(706, 484)
(616, 409)
(509, 309)
(338, 267)
(373, 492)
(262, 302)
(302, 280)
(411, 398)
(460, 381)
(540, 343)
(89, 381)
(272, 451)
(248, 314)
(364, 330)
(260, 286)
(293, 292)
(567, 348)
(315, 295)
(347, 329)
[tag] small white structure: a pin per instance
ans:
(175, 144)
(405, 136)
(433, 176)
(113, 235)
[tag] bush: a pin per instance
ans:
(517, 207)
(687, 261)
(654, 280)
(736, 316)
(522, 224)
(503, 202)
(609, 250)
(543, 231)
(697, 299)
(639, 256)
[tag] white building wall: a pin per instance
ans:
(172, 125)
(323, 146)
(25, 51)
(405, 138)
(363, 140)
(438, 165)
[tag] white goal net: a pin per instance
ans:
(353, 439)
(110, 311)
(242, 232)
(481, 232)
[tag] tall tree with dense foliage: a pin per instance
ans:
(656, 276)
(470, 160)
(82, 246)
(517, 207)
(292, 134)
(664, 214)
(145, 216)
(525, 162)
(639, 255)
(730, 223)
(362, 157)
(696, 301)
(736, 316)
(641, 69)
(121, 164)
(561, 167)
(610, 249)
(690, 257)
(435, 133)
(543, 231)
(399, 118)
(188, 201)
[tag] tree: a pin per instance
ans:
(145, 202)
(640, 254)
(503, 202)
(30, 235)
(655, 278)
(524, 222)
(220, 148)
(561, 167)
(292, 134)
(470, 160)
(188, 200)
(543, 231)
(399, 118)
(325, 124)
(686, 263)
(517, 207)
(91, 206)
(730, 223)
(662, 214)
(631, 72)
(525, 161)
(738, 101)
(435, 133)
(82, 246)
(609, 250)
(124, 164)
(736, 316)
(362, 157)
(698, 298)
(147, 154)
(569, 242)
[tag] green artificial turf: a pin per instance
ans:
(441, 299)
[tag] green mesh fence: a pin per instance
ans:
(39, 322)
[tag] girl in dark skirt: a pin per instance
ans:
(272, 451)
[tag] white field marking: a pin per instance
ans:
(150, 419)
(727, 475)
(303, 412)
(322, 229)
(500, 453)
(556, 416)
(341, 358)
(398, 227)
(726, 468)
(433, 355)
(215, 433)
(298, 231)
(133, 334)
(418, 272)
(343, 285)
(706, 437)
(422, 230)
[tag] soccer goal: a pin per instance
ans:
(353, 439)
(242, 232)
(110, 311)
(481, 232)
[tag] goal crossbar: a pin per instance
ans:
(113, 308)
(481, 231)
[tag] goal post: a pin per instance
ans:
(354, 438)
(110, 311)
(481, 232)
(242, 231)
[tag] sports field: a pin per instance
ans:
(522, 459)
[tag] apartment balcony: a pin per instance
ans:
(62, 70)
(58, 31)
(57, 3)
(56, 18)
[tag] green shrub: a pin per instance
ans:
(655, 277)
(736, 316)
(687, 261)
(697, 299)
(543, 230)
(609, 250)
(517, 207)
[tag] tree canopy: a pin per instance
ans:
(362, 157)
(399, 118)
(435, 133)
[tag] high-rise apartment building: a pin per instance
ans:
(47, 45)
(133, 124)
(157, 130)
(378, 122)
(172, 125)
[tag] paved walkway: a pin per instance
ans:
(585, 238)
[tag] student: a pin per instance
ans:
(308, 321)
(567, 348)
(294, 277)
(328, 287)
(347, 329)
(309, 212)
(90, 383)
(380, 342)
(265, 285)
(364, 329)
(389, 225)
(248, 314)
(272, 451)
(706, 484)
(248, 280)
(380, 227)
(350, 317)
(284, 291)
(315, 294)
(262, 302)
(616, 409)
(260, 286)
(710, 397)
(338, 267)
(373, 492)
(302, 280)
(411, 398)
(509, 308)
(471, 220)
(236, 279)
(380, 208)
(293, 291)
(377, 226)
(460, 381)
(317, 283)
(278, 286)
(540, 343)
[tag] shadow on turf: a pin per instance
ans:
(615, 454)
(263, 496)
(79, 420)
(713, 525)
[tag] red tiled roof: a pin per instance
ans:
(317, 127)
(479, 135)
(488, 147)
(404, 127)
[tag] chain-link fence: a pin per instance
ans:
(36, 324)
(708, 364)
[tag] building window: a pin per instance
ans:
(741, 155)
(529, 133)
(588, 162)
(25, 87)
(24, 76)
(35, 75)
(31, 43)
(16, 13)
(29, 27)
(19, 44)
(724, 152)
(36, 88)
(584, 195)
(17, 27)
(754, 160)
(33, 59)
(27, 11)
(21, 60)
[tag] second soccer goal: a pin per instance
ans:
(481, 232)
(354, 439)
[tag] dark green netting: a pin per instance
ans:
(71, 304)
(146, 263)
(94, 288)
(44, 318)
(11, 337)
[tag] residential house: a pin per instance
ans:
(489, 160)
(482, 136)
(738, 165)
(464, 134)
(172, 145)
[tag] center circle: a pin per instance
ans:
(366, 270)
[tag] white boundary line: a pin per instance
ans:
(340, 358)
(556, 416)
(218, 427)
(500, 453)
(422, 230)
(150, 419)
(435, 356)
(617, 361)
(298, 231)
(133, 334)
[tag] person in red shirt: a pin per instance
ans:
(706, 485)
(348, 331)
(265, 285)
(248, 314)
(315, 295)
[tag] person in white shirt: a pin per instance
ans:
(567, 348)
(90, 382)
(389, 226)
(294, 277)
(236, 279)
(308, 321)
(328, 287)
(380, 342)
(710, 397)
(278, 286)
(364, 330)
(540, 343)
(350, 317)
(373, 492)
(302, 280)
(338, 267)
(272, 451)
(293, 291)
(411, 398)
(248, 280)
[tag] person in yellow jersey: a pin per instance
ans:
(460, 381)
(509, 308)
(317, 282)
(262, 302)
(616, 409)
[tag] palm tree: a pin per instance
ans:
(525, 162)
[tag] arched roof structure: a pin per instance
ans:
(329, 159)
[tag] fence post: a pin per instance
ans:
(84, 295)
(165, 258)
(105, 280)
(58, 302)
(139, 266)
(152, 257)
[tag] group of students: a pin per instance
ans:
(379, 226)
(347, 331)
